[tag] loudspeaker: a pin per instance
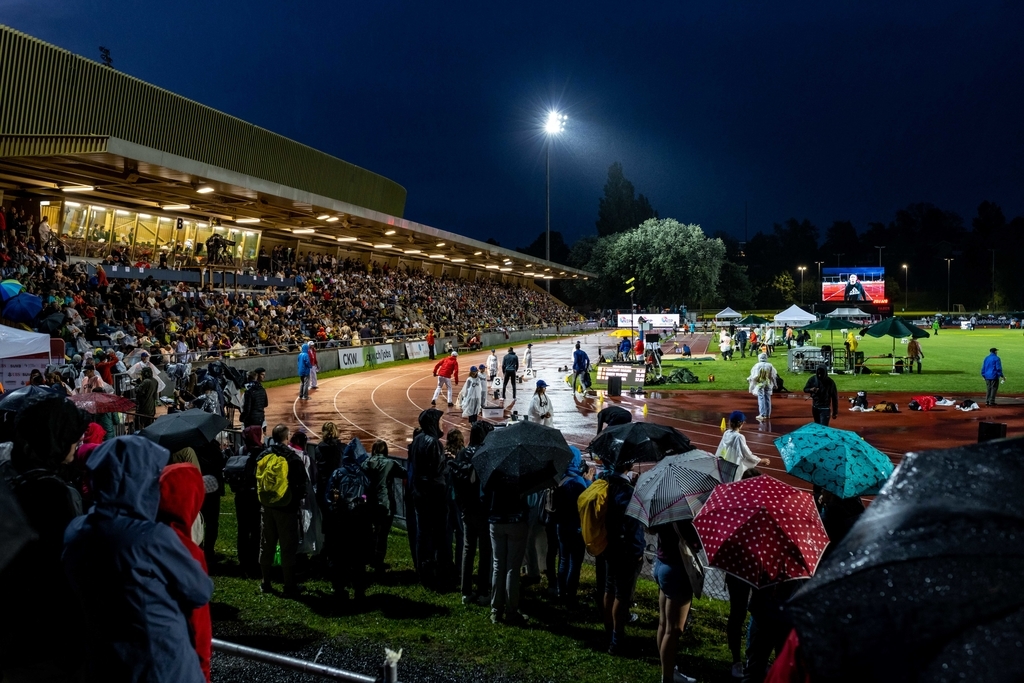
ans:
(987, 431)
(615, 386)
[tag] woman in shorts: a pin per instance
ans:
(674, 593)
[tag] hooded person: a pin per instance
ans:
(134, 578)
(470, 396)
(181, 497)
(304, 366)
(428, 479)
(571, 548)
(476, 539)
(247, 503)
(761, 382)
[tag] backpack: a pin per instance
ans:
(464, 480)
(593, 507)
(234, 470)
(346, 489)
(272, 480)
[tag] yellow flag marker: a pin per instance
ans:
(723, 424)
(600, 399)
(645, 410)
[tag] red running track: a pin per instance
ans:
(385, 403)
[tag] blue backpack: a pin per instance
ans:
(346, 488)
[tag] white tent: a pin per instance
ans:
(794, 315)
(15, 342)
(848, 313)
(727, 314)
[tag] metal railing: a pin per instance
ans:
(388, 670)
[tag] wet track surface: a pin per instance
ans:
(384, 404)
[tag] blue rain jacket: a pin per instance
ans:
(304, 364)
(133, 576)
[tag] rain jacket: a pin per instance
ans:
(992, 367)
(541, 406)
(381, 470)
(133, 576)
(580, 360)
(254, 405)
(181, 497)
(303, 361)
(471, 396)
(567, 493)
(448, 367)
(625, 534)
(510, 363)
(426, 458)
(733, 448)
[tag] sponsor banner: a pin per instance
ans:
(382, 354)
(350, 357)
(15, 372)
(656, 319)
(417, 349)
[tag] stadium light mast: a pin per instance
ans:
(801, 269)
(948, 261)
(879, 255)
(554, 125)
(906, 287)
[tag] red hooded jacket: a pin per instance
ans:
(181, 497)
(448, 367)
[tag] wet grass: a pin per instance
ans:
(436, 629)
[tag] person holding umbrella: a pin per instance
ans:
(508, 516)
(824, 396)
(540, 407)
(733, 447)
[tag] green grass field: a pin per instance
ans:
(952, 365)
(432, 628)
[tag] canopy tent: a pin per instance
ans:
(15, 343)
(794, 315)
(753, 320)
(848, 313)
(727, 314)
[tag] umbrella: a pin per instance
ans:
(190, 428)
(528, 454)
(762, 531)
(52, 323)
(829, 324)
(835, 459)
(897, 328)
(13, 401)
(10, 289)
(753, 320)
(98, 403)
(676, 488)
(23, 308)
(927, 584)
(638, 442)
(624, 332)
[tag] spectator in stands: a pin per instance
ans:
(135, 621)
(135, 371)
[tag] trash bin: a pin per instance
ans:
(987, 431)
(615, 386)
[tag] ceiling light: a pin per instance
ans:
(547, 270)
(233, 230)
(75, 204)
(549, 277)
(323, 216)
(205, 189)
(249, 233)
(477, 253)
(346, 239)
(529, 272)
(437, 256)
(97, 209)
(562, 273)
(176, 207)
(200, 225)
(161, 219)
(122, 212)
(303, 231)
(247, 220)
(144, 215)
(491, 267)
(458, 260)
(332, 219)
(78, 188)
(44, 203)
(383, 246)
(412, 251)
(390, 232)
(439, 244)
(575, 276)
(508, 260)
(504, 270)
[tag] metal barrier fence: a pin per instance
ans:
(388, 670)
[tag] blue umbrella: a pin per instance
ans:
(23, 308)
(837, 460)
(10, 289)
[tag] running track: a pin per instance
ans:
(385, 403)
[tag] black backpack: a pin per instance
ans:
(464, 480)
(346, 489)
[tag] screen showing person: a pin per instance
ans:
(853, 284)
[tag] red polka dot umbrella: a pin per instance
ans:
(762, 531)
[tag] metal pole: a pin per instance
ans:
(547, 201)
(302, 665)
(993, 278)
(949, 262)
(906, 288)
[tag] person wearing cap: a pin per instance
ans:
(471, 395)
(446, 371)
(509, 367)
(492, 366)
(992, 371)
(540, 407)
(483, 385)
(255, 401)
(761, 381)
(733, 447)
(528, 356)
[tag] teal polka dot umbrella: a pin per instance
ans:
(837, 460)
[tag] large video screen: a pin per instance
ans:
(854, 284)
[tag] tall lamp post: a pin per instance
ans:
(554, 125)
(801, 269)
(879, 255)
(906, 287)
(948, 262)
(838, 257)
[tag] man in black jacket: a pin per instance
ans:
(430, 500)
(824, 397)
(509, 367)
(281, 520)
(255, 402)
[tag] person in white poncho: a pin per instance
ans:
(540, 407)
(762, 383)
(734, 448)
(471, 396)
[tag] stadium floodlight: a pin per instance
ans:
(554, 125)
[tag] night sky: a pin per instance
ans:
(819, 110)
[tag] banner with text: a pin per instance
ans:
(350, 357)
(417, 349)
(383, 354)
(656, 319)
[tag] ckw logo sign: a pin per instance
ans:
(350, 358)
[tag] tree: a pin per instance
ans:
(783, 289)
(493, 242)
(620, 209)
(537, 249)
(840, 238)
(734, 288)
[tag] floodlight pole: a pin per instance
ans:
(802, 269)
(948, 261)
(906, 287)
(547, 201)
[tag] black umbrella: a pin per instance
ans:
(638, 442)
(52, 323)
(14, 401)
(927, 584)
(528, 454)
(191, 428)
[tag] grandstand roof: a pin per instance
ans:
(66, 121)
